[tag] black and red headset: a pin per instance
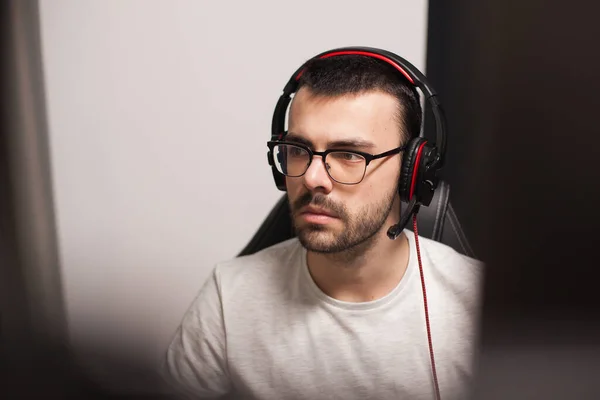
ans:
(421, 160)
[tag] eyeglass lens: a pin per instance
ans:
(343, 167)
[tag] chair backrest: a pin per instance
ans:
(438, 222)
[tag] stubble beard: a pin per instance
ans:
(358, 235)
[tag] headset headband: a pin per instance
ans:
(409, 71)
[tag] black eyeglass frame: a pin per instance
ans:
(312, 153)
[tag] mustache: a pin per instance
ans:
(319, 200)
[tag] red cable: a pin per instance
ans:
(435, 378)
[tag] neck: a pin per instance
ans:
(365, 273)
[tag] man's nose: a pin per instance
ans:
(316, 175)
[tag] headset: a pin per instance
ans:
(422, 159)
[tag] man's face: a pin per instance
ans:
(357, 213)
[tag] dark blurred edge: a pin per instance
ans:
(520, 83)
(33, 352)
(36, 360)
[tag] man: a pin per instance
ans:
(336, 313)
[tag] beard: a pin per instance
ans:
(359, 230)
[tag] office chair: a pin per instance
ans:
(438, 222)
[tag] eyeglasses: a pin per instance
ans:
(343, 166)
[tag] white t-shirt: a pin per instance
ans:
(260, 328)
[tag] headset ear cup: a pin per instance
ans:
(279, 180)
(408, 167)
(278, 177)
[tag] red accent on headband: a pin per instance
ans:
(365, 53)
(414, 177)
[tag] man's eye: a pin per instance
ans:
(296, 151)
(347, 157)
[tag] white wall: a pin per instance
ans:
(159, 114)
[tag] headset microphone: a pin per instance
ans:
(396, 230)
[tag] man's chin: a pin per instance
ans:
(319, 240)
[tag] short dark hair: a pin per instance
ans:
(354, 74)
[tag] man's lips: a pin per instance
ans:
(318, 211)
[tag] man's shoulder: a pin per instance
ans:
(270, 263)
(455, 276)
(442, 253)
(451, 267)
(269, 255)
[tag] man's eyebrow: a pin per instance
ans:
(350, 142)
(292, 137)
